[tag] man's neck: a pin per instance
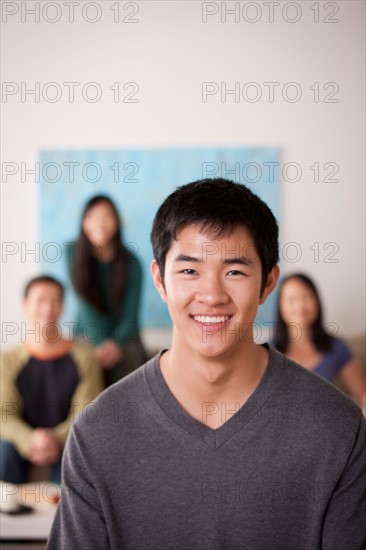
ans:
(208, 388)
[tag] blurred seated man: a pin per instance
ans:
(45, 382)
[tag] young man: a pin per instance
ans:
(217, 443)
(45, 382)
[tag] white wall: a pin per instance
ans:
(169, 53)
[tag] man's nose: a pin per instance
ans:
(211, 291)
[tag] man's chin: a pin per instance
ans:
(213, 350)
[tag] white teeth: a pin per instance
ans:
(207, 319)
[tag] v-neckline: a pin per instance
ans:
(213, 438)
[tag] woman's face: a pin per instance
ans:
(100, 224)
(298, 303)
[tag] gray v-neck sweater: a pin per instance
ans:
(285, 472)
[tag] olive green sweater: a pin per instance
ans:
(45, 393)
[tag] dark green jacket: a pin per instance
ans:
(122, 327)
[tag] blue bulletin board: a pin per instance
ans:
(138, 180)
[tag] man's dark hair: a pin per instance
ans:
(218, 206)
(43, 279)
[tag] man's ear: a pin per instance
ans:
(270, 284)
(158, 281)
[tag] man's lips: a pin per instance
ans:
(211, 323)
(211, 319)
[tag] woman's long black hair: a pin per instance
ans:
(320, 337)
(84, 271)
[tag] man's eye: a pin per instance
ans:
(236, 272)
(188, 271)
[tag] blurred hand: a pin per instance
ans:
(108, 354)
(45, 448)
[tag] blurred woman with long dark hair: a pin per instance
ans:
(301, 336)
(107, 279)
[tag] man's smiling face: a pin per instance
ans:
(212, 289)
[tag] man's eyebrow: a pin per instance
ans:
(185, 258)
(241, 260)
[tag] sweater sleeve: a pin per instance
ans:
(79, 521)
(89, 387)
(13, 427)
(344, 523)
(127, 327)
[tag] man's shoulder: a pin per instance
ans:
(303, 386)
(301, 380)
(131, 386)
(127, 398)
